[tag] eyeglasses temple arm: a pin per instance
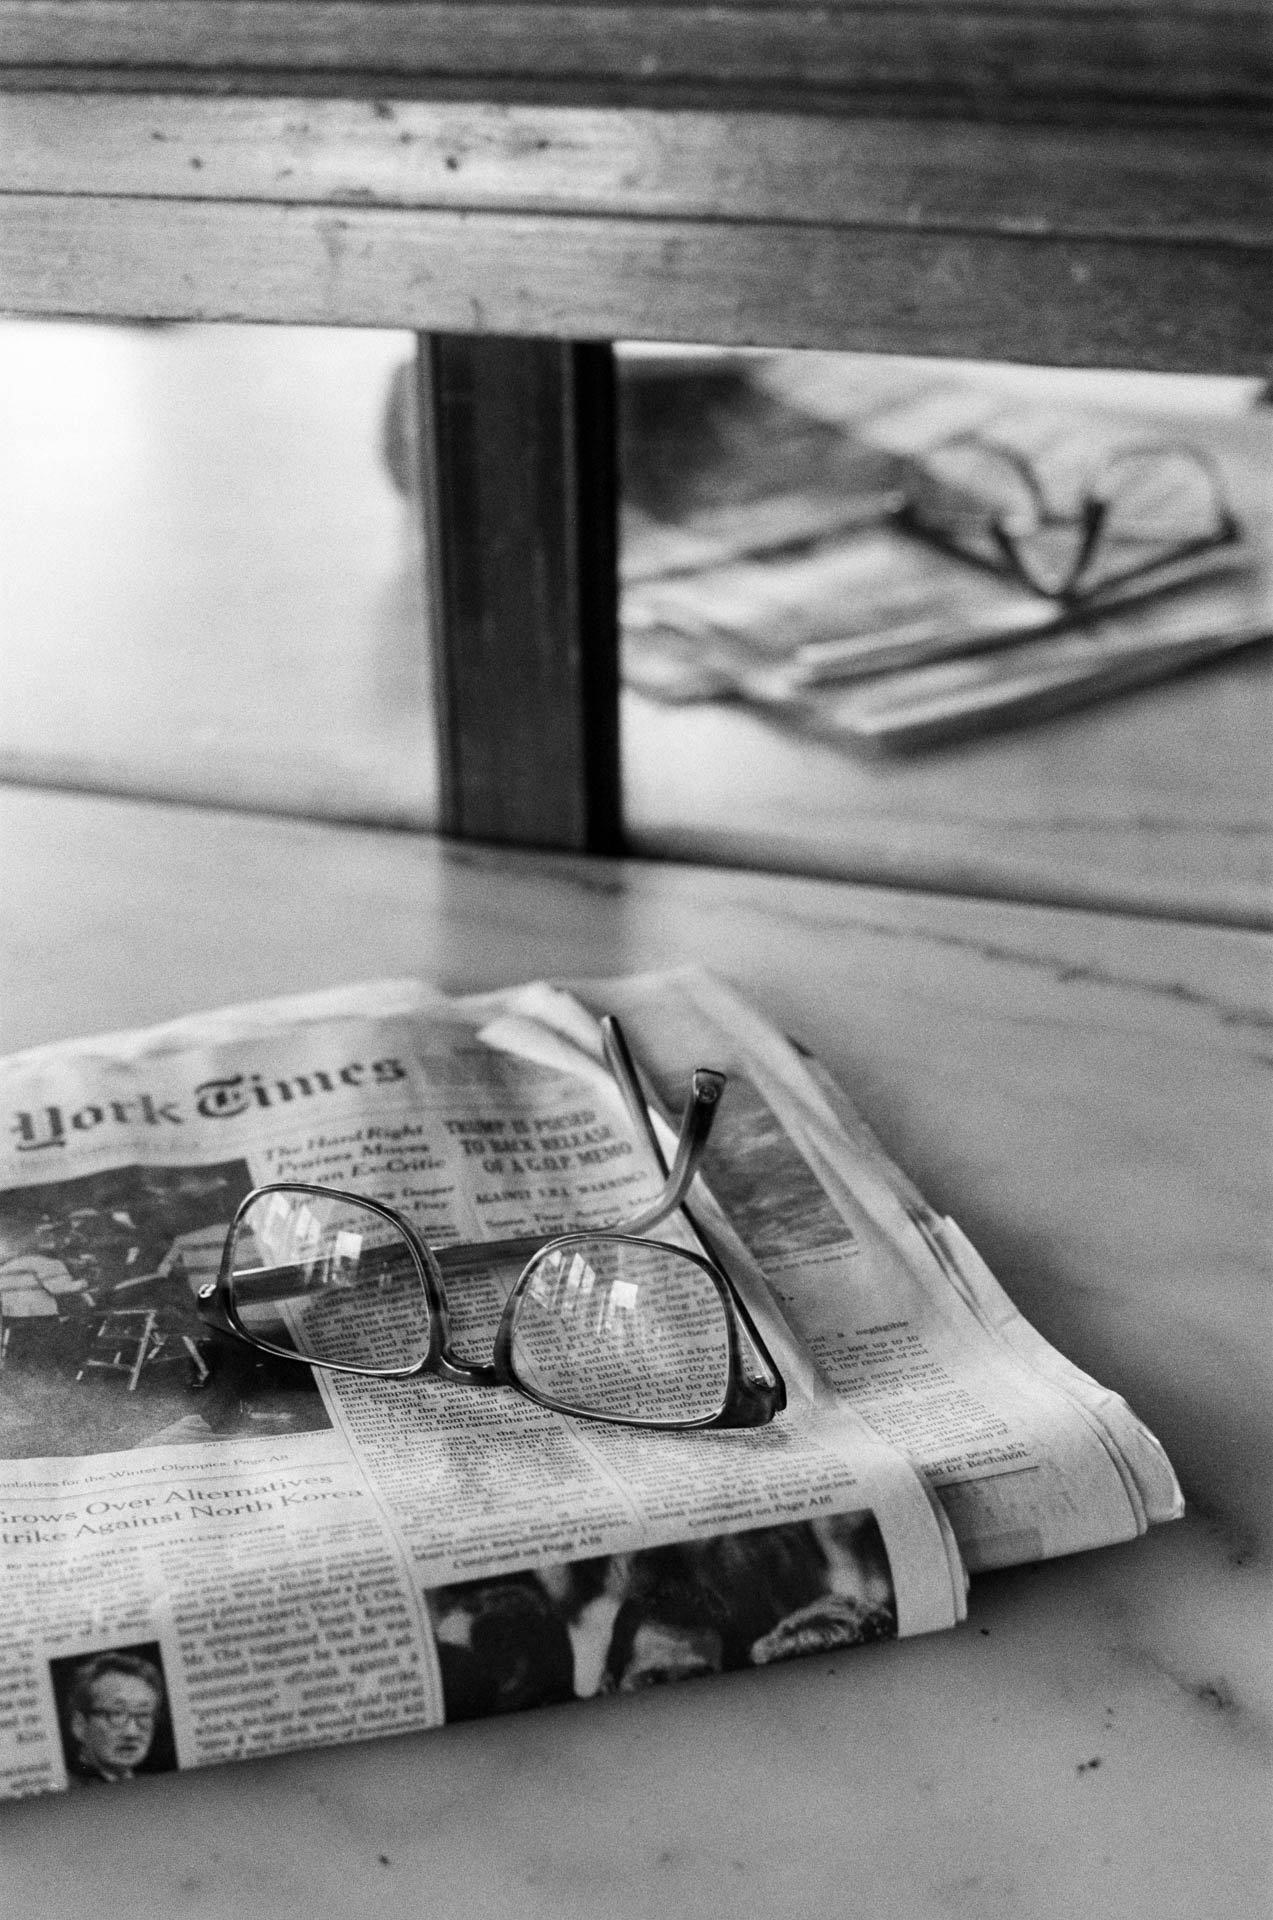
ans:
(769, 1394)
(623, 1067)
(706, 1087)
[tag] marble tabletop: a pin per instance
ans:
(1087, 1094)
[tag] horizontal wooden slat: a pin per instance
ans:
(1209, 50)
(1110, 302)
(808, 169)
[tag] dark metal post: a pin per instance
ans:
(517, 454)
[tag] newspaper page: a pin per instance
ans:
(1029, 1456)
(211, 1552)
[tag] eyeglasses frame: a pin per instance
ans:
(1090, 521)
(117, 1718)
(750, 1399)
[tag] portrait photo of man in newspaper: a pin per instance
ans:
(113, 1714)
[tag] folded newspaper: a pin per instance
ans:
(769, 557)
(211, 1552)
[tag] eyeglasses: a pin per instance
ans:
(118, 1718)
(605, 1324)
(1145, 508)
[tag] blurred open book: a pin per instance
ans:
(772, 552)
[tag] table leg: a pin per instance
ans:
(517, 453)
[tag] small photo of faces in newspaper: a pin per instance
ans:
(629, 1621)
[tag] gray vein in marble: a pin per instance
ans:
(1081, 973)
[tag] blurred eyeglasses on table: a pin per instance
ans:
(1145, 507)
(938, 564)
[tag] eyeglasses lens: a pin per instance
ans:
(1160, 497)
(622, 1330)
(329, 1280)
(965, 488)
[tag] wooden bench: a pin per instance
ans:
(524, 182)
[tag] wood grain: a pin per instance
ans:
(1207, 52)
(918, 174)
(1018, 297)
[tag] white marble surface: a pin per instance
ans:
(1088, 1094)
(1160, 800)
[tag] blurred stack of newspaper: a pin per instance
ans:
(768, 555)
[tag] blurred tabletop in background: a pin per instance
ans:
(211, 588)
